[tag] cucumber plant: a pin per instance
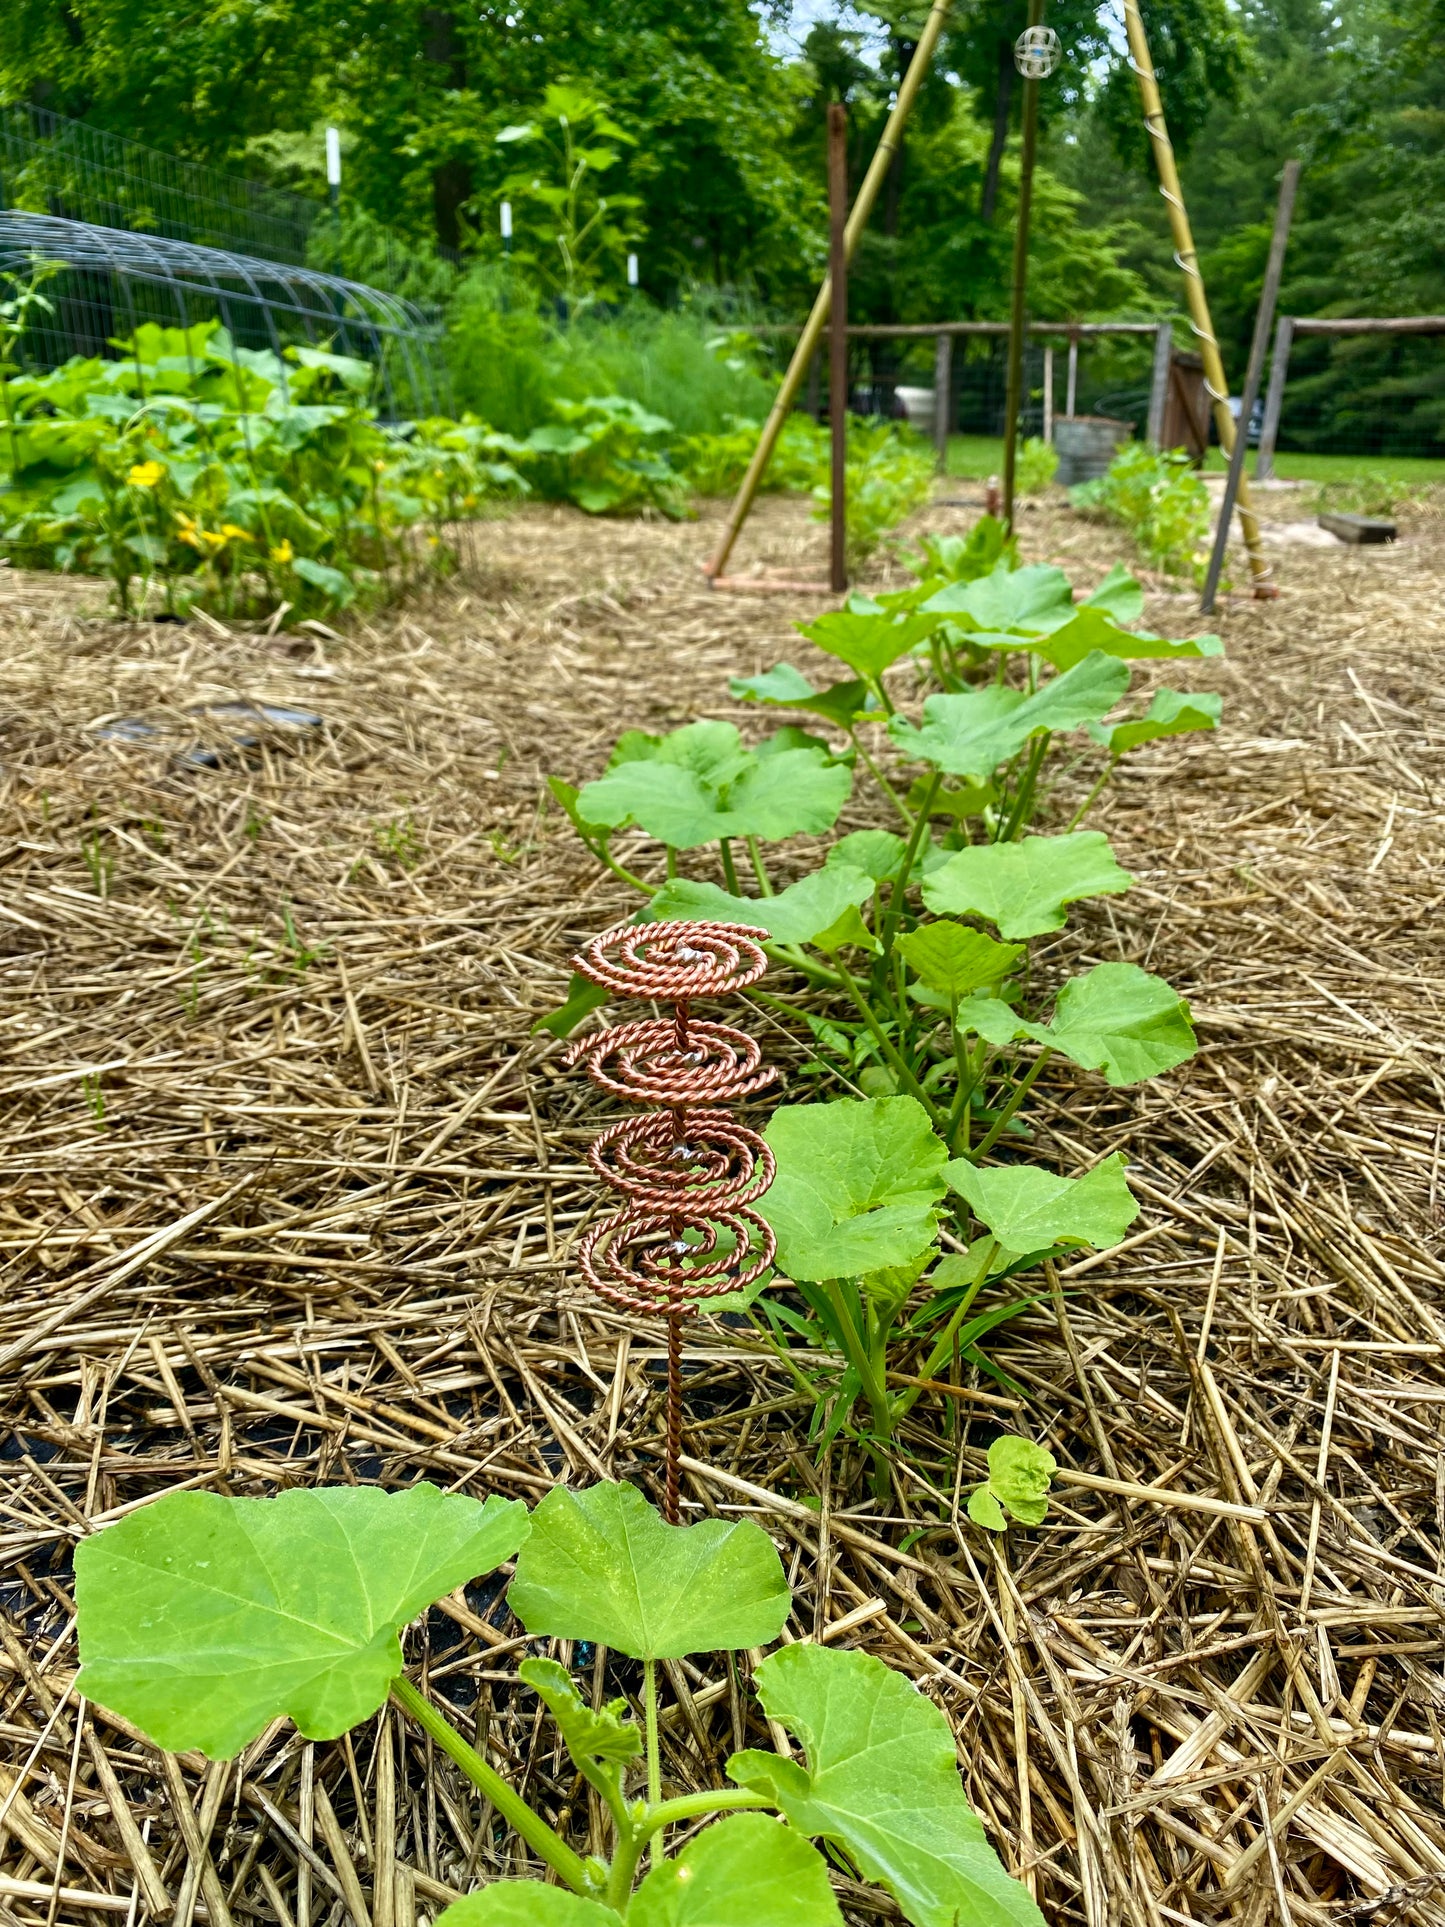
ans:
(203, 1619)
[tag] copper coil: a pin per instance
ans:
(674, 962)
(715, 1165)
(634, 1260)
(716, 1062)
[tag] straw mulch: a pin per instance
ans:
(289, 1193)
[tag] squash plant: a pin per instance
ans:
(202, 1619)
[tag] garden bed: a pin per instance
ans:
(270, 978)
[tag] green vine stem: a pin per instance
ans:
(546, 1844)
(1016, 1097)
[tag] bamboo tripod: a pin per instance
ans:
(813, 330)
(1187, 257)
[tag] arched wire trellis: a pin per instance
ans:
(113, 280)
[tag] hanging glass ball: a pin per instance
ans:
(1037, 52)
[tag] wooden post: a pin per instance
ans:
(1274, 400)
(942, 397)
(1269, 295)
(1014, 400)
(838, 343)
(1188, 259)
(813, 328)
(1159, 383)
(1049, 393)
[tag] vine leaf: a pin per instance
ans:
(954, 958)
(799, 914)
(1029, 1209)
(700, 784)
(742, 1872)
(881, 1781)
(204, 1618)
(1019, 1473)
(1092, 628)
(1172, 713)
(1032, 601)
(1023, 888)
(1120, 595)
(784, 687)
(1123, 1021)
(602, 1565)
(867, 641)
(857, 1182)
(971, 733)
(526, 1903)
(601, 1742)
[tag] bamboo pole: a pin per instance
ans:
(813, 329)
(838, 346)
(1014, 401)
(1188, 260)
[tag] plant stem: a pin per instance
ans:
(1019, 1093)
(729, 868)
(943, 1345)
(905, 866)
(886, 1045)
(1024, 794)
(689, 1806)
(654, 1762)
(759, 871)
(881, 780)
(549, 1846)
(1088, 803)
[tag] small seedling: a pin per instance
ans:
(397, 840)
(202, 1619)
(302, 955)
(94, 1096)
(1019, 1475)
(99, 862)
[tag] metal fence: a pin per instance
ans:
(109, 281)
(1360, 386)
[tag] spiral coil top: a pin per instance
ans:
(689, 1173)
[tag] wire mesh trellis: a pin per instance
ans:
(111, 281)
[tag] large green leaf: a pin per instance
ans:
(1091, 629)
(867, 642)
(1116, 1018)
(1033, 601)
(603, 1565)
(1120, 595)
(1030, 1209)
(877, 853)
(526, 1903)
(700, 784)
(203, 1618)
(857, 1182)
(1123, 1021)
(785, 687)
(1172, 713)
(971, 733)
(743, 1872)
(881, 1780)
(1023, 888)
(802, 912)
(954, 958)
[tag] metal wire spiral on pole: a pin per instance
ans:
(689, 1173)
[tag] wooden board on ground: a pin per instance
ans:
(1359, 528)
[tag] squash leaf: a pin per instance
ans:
(746, 1871)
(1023, 888)
(1030, 1209)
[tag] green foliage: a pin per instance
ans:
(566, 155)
(1160, 500)
(880, 1780)
(607, 456)
(889, 474)
(1029, 1210)
(205, 1618)
(1024, 889)
(1036, 465)
(601, 1565)
(229, 476)
(1019, 1475)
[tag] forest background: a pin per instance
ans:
(703, 124)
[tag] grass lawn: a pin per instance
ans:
(976, 456)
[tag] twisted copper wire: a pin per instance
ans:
(689, 1172)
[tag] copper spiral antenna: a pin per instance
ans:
(689, 1174)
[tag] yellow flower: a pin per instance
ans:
(233, 534)
(145, 475)
(283, 551)
(188, 532)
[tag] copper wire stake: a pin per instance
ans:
(689, 1172)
